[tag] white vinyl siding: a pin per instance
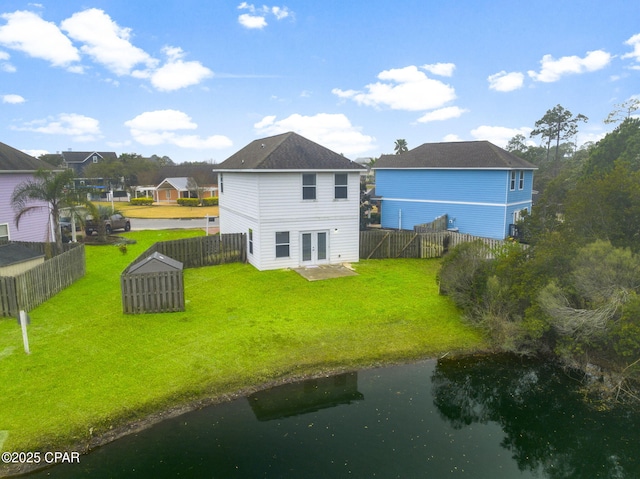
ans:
(271, 202)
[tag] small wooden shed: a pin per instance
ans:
(153, 285)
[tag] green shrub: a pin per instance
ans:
(213, 201)
(146, 201)
(188, 201)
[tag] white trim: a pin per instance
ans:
(299, 170)
(447, 202)
(496, 168)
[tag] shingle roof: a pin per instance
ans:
(288, 151)
(463, 154)
(16, 160)
(82, 156)
(13, 253)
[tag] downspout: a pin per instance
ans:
(399, 219)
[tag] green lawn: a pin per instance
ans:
(92, 368)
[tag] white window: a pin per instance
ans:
(512, 183)
(221, 184)
(521, 181)
(341, 186)
(309, 186)
(282, 244)
(4, 233)
(95, 158)
(250, 241)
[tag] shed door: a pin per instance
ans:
(314, 247)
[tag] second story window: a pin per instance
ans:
(341, 185)
(512, 183)
(521, 181)
(309, 186)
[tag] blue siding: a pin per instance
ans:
(443, 185)
(477, 202)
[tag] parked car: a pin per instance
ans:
(111, 223)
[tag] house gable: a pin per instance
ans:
(79, 160)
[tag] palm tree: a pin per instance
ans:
(49, 190)
(400, 146)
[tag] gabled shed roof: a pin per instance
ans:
(155, 263)
(455, 155)
(14, 161)
(288, 151)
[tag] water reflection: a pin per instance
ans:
(486, 417)
(305, 397)
(547, 423)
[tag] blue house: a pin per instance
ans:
(482, 188)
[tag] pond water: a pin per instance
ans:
(476, 417)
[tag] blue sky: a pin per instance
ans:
(199, 79)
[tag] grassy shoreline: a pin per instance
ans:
(95, 373)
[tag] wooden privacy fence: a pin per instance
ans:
(382, 244)
(163, 291)
(33, 287)
(202, 250)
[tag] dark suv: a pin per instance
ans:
(111, 223)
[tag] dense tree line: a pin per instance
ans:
(573, 291)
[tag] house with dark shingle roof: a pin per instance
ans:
(79, 160)
(482, 188)
(297, 201)
(17, 167)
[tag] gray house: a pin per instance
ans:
(79, 160)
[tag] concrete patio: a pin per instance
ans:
(325, 271)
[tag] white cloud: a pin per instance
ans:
(176, 73)
(498, 135)
(333, 131)
(252, 21)
(634, 42)
(5, 66)
(36, 153)
(442, 114)
(441, 69)
(80, 127)
(451, 137)
(406, 89)
(257, 16)
(552, 70)
(160, 127)
(105, 41)
(13, 99)
(30, 34)
(503, 81)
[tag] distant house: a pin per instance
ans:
(79, 160)
(15, 168)
(482, 188)
(171, 189)
(297, 201)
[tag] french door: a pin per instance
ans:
(314, 247)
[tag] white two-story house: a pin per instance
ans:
(297, 201)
